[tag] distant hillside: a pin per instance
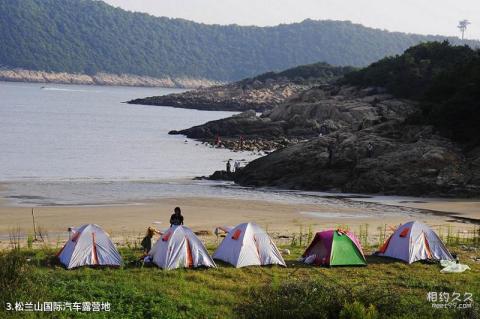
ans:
(444, 78)
(89, 37)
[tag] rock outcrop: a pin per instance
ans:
(388, 158)
(245, 131)
(261, 93)
(353, 140)
(317, 111)
(231, 97)
(246, 123)
(371, 147)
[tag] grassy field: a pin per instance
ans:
(383, 289)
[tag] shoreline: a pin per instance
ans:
(103, 79)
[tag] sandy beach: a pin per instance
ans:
(127, 222)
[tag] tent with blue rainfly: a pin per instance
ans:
(334, 248)
(414, 241)
(89, 245)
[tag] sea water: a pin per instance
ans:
(63, 143)
(70, 132)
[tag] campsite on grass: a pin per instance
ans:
(332, 276)
(248, 244)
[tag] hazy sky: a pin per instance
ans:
(414, 16)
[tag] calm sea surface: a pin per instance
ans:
(70, 132)
(81, 144)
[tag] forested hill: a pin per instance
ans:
(320, 72)
(85, 36)
(445, 79)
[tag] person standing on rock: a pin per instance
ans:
(218, 141)
(229, 167)
(323, 130)
(370, 149)
(330, 153)
(241, 142)
(236, 166)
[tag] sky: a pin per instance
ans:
(412, 16)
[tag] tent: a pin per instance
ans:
(89, 245)
(248, 245)
(179, 247)
(334, 248)
(414, 241)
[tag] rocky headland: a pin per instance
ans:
(260, 93)
(313, 112)
(350, 139)
(231, 97)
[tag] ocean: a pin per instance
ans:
(82, 144)
(71, 132)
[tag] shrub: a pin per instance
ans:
(14, 273)
(327, 299)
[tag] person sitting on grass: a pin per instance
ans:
(176, 219)
(147, 240)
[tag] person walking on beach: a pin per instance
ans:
(176, 219)
(147, 240)
(229, 167)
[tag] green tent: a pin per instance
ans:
(335, 248)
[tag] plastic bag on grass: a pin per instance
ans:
(450, 266)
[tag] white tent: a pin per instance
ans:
(248, 245)
(179, 247)
(89, 245)
(414, 241)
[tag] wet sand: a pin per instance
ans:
(469, 209)
(129, 221)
